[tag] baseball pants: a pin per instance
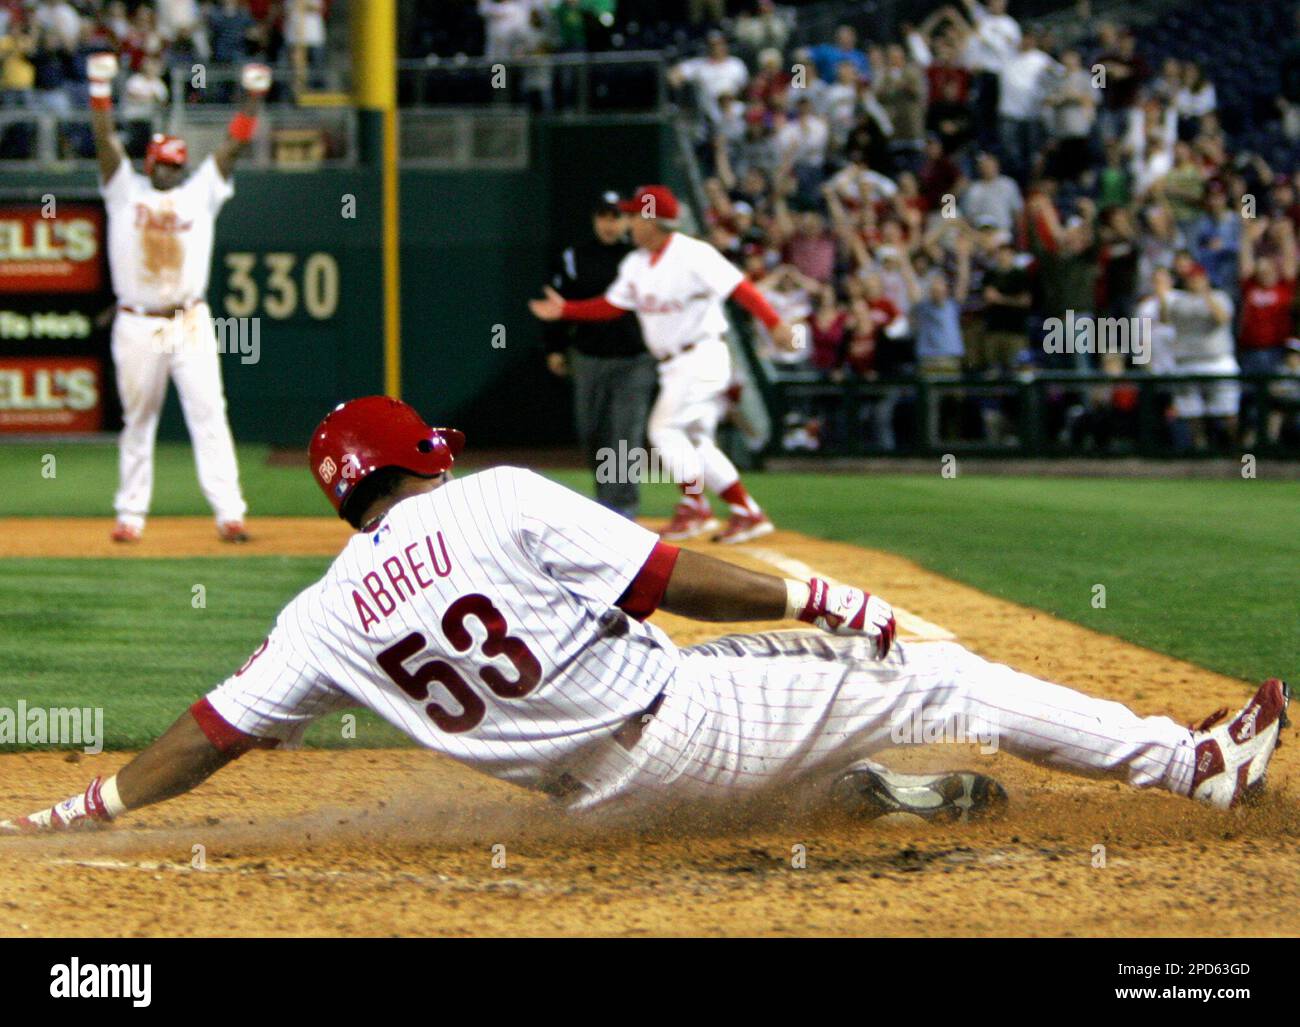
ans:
(684, 420)
(611, 397)
(147, 351)
(747, 713)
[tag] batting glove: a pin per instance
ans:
(80, 812)
(256, 78)
(101, 69)
(843, 610)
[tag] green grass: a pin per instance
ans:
(1202, 570)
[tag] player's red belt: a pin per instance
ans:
(630, 733)
(180, 308)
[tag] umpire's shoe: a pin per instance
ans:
(870, 791)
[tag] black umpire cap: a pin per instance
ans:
(606, 203)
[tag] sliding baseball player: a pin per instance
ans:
(501, 619)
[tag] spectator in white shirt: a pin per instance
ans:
(145, 91)
(181, 20)
(995, 38)
(802, 142)
(715, 74)
(765, 28)
(806, 81)
(1073, 103)
(994, 198)
(60, 21)
(841, 102)
(1194, 100)
(1021, 89)
(992, 40)
(506, 26)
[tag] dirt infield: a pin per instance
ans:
(402, 842)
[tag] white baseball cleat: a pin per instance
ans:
(870, 791)
(1232, 759)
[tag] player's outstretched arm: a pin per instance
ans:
(179, 760)
(101, 69)
(554, 307)
(256, 80)
(706, 589)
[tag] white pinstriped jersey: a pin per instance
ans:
(677, 293)
(479, 619)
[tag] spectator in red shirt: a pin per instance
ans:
(828, 327)
(938, 174)
(806, 241)
(771, 85)
(873, 311)
(1268, 289)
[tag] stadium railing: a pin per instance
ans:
(578, 83)
(1039, 415)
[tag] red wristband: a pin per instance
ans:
(243, 127)
(101, 103)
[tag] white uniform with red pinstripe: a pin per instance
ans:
(482, 619)
(159, 253)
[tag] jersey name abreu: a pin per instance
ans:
(480, 619)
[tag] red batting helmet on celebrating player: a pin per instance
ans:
(166, 150)
(358, 438)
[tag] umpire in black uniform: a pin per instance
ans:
(614, 377)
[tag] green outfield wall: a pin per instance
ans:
(299, 252)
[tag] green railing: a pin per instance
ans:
(1040, 415)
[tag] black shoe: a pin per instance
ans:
(956, 796)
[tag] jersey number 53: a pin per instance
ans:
(415, 682)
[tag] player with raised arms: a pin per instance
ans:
(161, 227)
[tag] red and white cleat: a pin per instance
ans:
(232, 531)
(123, 532)
(744, 528)
(1232, 759)
(689, 521)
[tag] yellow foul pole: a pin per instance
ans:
(374, 69)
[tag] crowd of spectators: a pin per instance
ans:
(940, 203)
(44, 44)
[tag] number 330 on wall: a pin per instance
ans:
(314, 287)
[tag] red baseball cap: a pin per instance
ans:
(166, 150)
(652, 201)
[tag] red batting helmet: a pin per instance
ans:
(366, 435)
(166, 150)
